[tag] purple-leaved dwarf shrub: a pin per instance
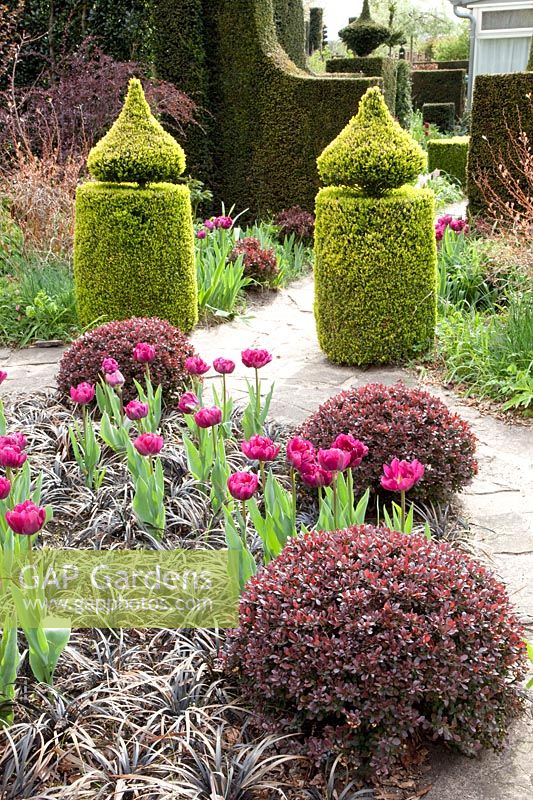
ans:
(83, 359)
(366, 638)
(398, 422)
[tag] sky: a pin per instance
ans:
(336, 12)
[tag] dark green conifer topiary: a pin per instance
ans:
(136, 149)
(373, 152)
(364, 34)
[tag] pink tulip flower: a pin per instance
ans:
(115, 379)
(209, 225)
(149, 444)
(314, 475)
(188, 403)
(224, 222)
(26, 518)
(201, 233)
(109, 365)
(243, 485)
(400, 476)
(136, 410)
(300, 452)
(334, 459)
(3, 375)
(13, 440)
(260, 448)
(12, 457)
(208, 417)
(143, 353)
(356, 449)
(5, 488)
(256, 358)
(83, 393)
(196, 365)
(224, 366)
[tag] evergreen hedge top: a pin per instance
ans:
(136, 149)
(363, 35)
(373, 152)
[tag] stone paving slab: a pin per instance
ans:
(498, 504)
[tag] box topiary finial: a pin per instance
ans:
(136, 149)
(373, 153)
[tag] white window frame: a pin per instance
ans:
(501, 33)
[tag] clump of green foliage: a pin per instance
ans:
(136, 149)
(373, 152)
(364, 35)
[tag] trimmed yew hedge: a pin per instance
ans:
(270, 120)
(404, 92)
(450, 156)
(439, 86)
(375, 274)
(290, 27)
(316, 29)
(440, 114)
(370, 66)
(181, 59)
(134, 253)
(500, 108)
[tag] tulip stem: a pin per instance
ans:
(243, 512)
(224, 396)
(262, 472)
(335, 502)
(402, 501)
(349, 480)
(293, 488)
(258, 400)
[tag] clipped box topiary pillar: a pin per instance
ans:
(375, 251)
(134, 239)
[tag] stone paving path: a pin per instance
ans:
(498, 504)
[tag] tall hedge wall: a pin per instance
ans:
(272, 118)
(180, 58)
(290, 28)
(370, 66)
(316, 28)
(439, 86)
(266, 120)
(501, 109)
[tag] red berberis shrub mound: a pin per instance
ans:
(395, 421)
(365, 638)
(83, 359)
(296, 220)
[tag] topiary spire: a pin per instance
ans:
(373, 152)
(363, 35)
(136, 149)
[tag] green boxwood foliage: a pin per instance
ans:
(373, 152)
(290, 27)
(450, 156)
(363, 35)
(439, 86)
(134, 253)
(370, 66)
(440, 114)
(502, 107)
(375, 274)
(136, 149)
(404, 92)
